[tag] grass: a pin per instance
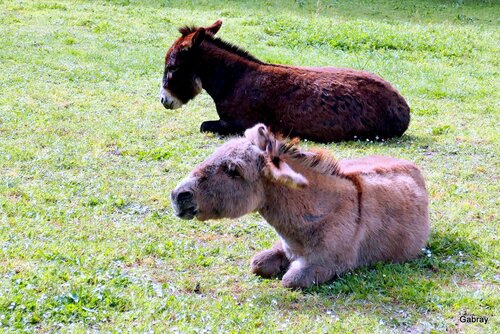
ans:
(88, 157)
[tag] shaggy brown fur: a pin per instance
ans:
(331, 216)
(318, 103)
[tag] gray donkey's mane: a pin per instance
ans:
(318, 160)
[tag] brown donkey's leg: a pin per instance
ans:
(270, 263)
(221, 127)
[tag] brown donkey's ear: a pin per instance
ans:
(194, 39)
(212, 30)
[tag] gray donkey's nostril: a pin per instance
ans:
(162, 99)
(184, 196)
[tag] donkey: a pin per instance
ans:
(331, 216)
(323, 104)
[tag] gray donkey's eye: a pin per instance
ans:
(232, 171)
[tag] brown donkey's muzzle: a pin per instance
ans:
(183, 203)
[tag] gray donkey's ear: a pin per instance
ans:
(274, 167)
(260, 136)
(279, 171)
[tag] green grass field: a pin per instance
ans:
(88, 157)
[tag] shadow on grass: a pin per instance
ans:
(404, 141)
(414, 282)
(410, 140)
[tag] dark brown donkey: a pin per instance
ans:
(319, 103)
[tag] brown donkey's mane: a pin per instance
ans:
(186, 30)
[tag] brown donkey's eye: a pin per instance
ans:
(172, 68)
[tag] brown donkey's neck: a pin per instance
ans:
(221, 65)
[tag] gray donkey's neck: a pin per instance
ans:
(299, 215)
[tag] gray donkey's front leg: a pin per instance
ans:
(303, 275)
(271, 262)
